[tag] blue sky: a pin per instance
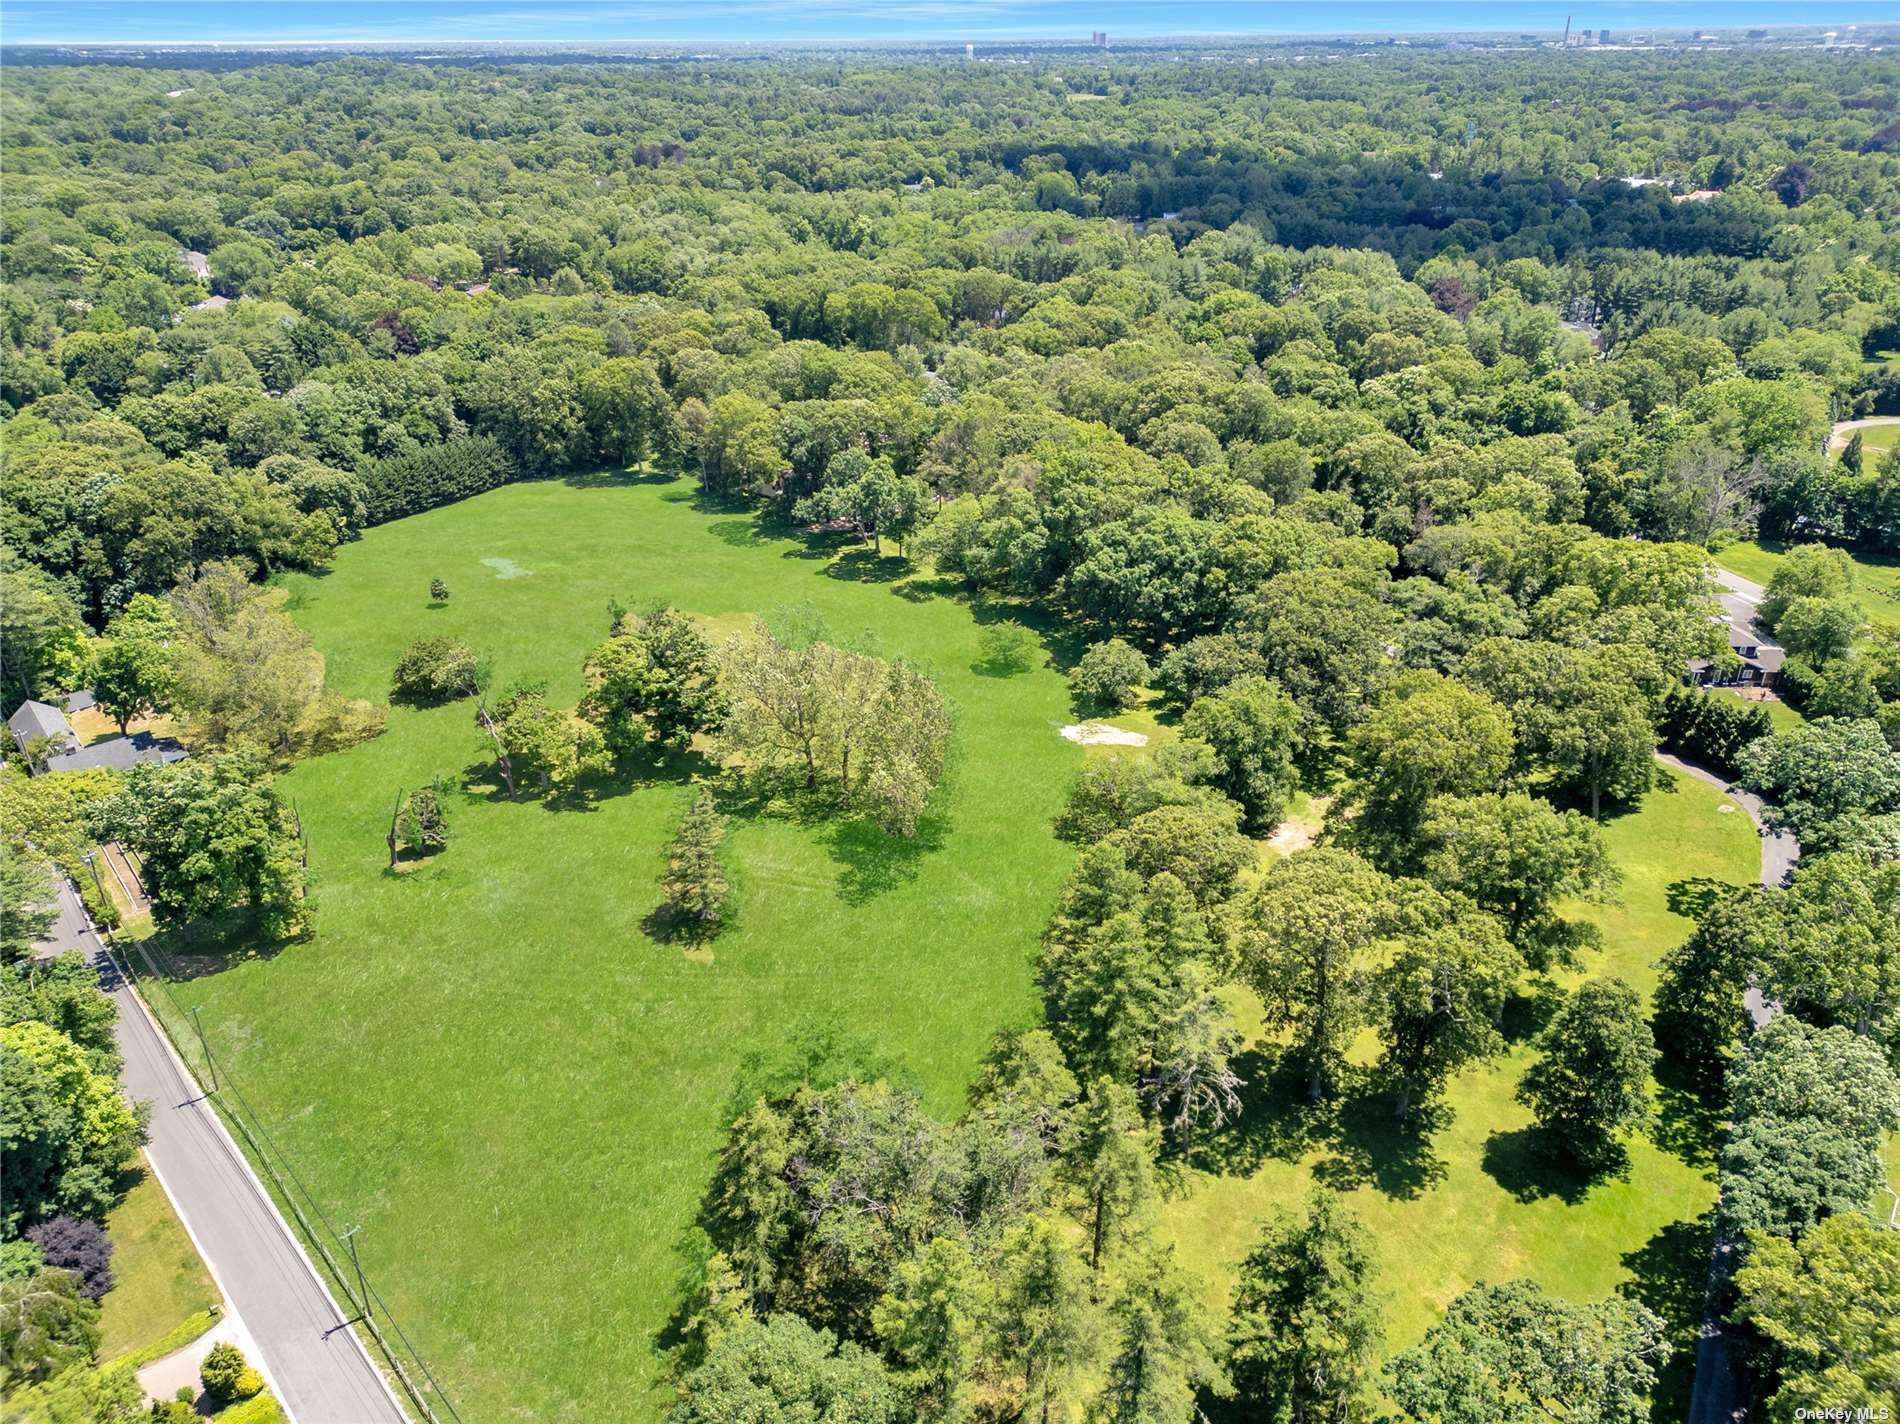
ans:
(739, 21)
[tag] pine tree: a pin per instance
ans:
(695, 881)
(1305, 1335)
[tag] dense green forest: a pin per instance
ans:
(1355, 416)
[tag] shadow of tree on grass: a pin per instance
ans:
(1669, 1273)
(1372, 1148)
(1525, 1015)
(862, 565)
(873, 862)
(1692, 897)
(1529, 1164)
(1692, 1109)
(1277, 1120)
(205, 946)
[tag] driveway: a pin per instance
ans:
(1844, 430)
(1718, 1396)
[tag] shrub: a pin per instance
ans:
(1006, 648)
(1108, 675)
(435, 670)
(424, 826)
(223, 1371)
(249, 1383)
(81, 1247)
(439, 590)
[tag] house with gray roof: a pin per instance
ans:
(33, 721)
(1759, 657)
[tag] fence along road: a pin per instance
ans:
(320, 1374)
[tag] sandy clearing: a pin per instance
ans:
(1100, 734)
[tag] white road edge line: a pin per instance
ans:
(217, 1120)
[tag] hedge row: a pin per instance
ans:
(435, 475)
(1709, 728)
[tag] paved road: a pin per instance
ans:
(1844, 430)
(259, 1266)
(1718, 1396)
(1735, 583)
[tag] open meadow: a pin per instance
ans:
(486, 1059)
(1877, 579)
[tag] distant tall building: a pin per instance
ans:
(1099, 38)
(969, 51)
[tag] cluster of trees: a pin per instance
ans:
(68, 1134)
(863, 1261)
(869, 733)
(866, 1258)
(1813, 1096)
(212, 834)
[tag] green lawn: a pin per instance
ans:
(159, 1280)
(1877, 440)
(485, 1060)
(1781, 716)
(1468, 1201)
(1877, 585)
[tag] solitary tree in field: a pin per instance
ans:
(1438, 1001)
(1590, 1083)
(424, 826)
(1007, 648)
(438, 590)
(694, 880)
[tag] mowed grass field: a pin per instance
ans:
(485, 1060)
(1468, 1199)
(1877, 583)
(520, 1095)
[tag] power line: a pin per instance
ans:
(272, 1156)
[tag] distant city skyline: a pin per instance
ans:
(361, 22)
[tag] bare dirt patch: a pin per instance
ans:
(1101, 734)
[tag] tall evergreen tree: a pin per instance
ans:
(695, 880)
(1306, 1332)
